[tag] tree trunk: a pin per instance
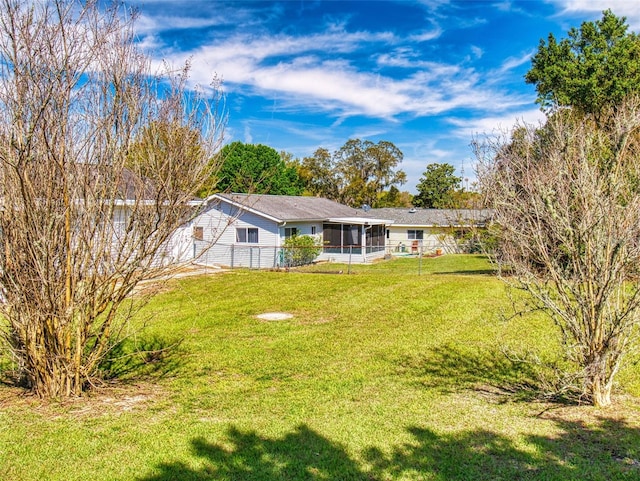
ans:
(600, 392)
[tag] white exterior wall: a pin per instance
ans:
(433, 238)
(303, 228)
(181, 244)
(177, 249)
(219, 244)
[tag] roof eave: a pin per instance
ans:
(243, 207)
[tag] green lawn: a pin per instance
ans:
(380, 375)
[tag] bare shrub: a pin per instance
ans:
(567, 199)
(81, 223)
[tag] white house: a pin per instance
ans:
(412, 230)
(248, 230)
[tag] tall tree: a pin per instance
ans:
(82, 224)
(567, 200)
(437, 187)
(319, 176)
(366, 169)
(258, 169)
(596, 67)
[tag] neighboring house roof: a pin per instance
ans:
(130, 187)
(403, 216)
(286, 208)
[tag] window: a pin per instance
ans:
(198, 233)
(313, 230)
(244, 234)
(415, 234)
(290, 232)
(387, 233)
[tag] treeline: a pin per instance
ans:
(359, 173)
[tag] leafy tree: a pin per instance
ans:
(466, 199)
(318, 175)
(394, 198)
(366, 169)
(566, 198)
(358, 173)
(84, 219)
(258, 169)
(594, 68)
(437, 187)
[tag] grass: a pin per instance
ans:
(380, 375)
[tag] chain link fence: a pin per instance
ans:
(327, 259)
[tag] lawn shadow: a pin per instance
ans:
(450, 368)
(607, 451)
(128, 360)
(302, 455)
(603, 450)
(470, 272)
(142, 358)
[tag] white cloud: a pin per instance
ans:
(477, 51)
(187, 14)
(311, 72)
(306, 80)
(621, 8)
(505, 6)
(146, 24)
(468, 128)
(426, 35)
(248, 138)
(405, 57)
(515, 62)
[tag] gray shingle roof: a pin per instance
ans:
(431, 217)
(292, 208)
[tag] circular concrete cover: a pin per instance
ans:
(274, 316)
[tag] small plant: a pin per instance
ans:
(300, 250)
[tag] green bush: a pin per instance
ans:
(300, 250)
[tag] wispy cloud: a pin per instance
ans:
(426, 35)
(297, 69)
(468, 128)
(621, 8)
(305, 75)
(514, 62)
(477, 51)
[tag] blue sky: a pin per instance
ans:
(426, 75)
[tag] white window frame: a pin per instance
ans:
(290, 232)
(246, 235)
(415, 234)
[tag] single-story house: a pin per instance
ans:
(248, 230)
(413, 230)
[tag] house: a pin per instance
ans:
(248, 230)
(412, 230)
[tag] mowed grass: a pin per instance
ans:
(380, 375)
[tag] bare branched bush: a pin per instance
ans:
(97, 171)
(567, 199)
